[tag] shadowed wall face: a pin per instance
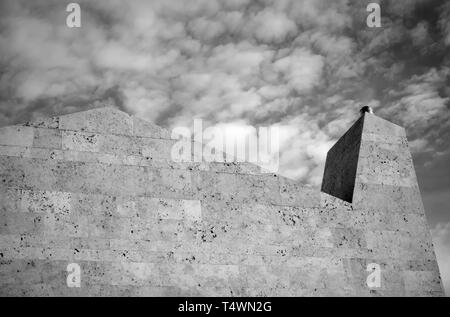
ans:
(341, 164)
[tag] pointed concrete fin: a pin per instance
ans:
(382, 182)
(372, 165)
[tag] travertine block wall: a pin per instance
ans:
(98, 188)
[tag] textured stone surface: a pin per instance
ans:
(98, 188)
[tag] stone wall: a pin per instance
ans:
(98, 188)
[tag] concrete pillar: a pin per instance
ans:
(371, 167)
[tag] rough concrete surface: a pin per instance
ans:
(99, 189)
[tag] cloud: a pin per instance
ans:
(271, 26)
(418, 145)
(419, 34)
(441, 241)
(444, 22)
(303, 148)
(301, 70)
(420, 99)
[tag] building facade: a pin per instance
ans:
(92, 205)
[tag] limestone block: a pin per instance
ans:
(137, 256)
(92, 243)
(47, 240)
(46, 154)
(166, 183)
(156, 149)
(128, 208)
(102, 227)
(101, 120)
(47, 138)
(92, 142)
(100, 178)
(27, 152)
(205, 184)
(227, 185)
(35, 253)
(45, 123)
(315, 272)
(146, 129)
(422, 283)
(370, 220)
(416, 265)
(17, 151)
(163, 208)
(262, 188)
(45, 202)
(94, 273)
(91, 255)
(188, 276)
(385, 150)
(132, 244)
(30, 273)
(192, 210)
(9, 200)
(384, 139)
(219, 210)
(9, 240)
(391, 167)
(266, 277)
(234, 167)
(380, 126)
(16, 136)
(349, 238)
(29, 173)
(400, 244)
(308, 238)
(94, 157)
(91, 205)
(282, 215)
(294, 194)
(133, 274)
(388, 198)
(21, 223)
(66, 226)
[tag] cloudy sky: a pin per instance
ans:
(307, 65)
